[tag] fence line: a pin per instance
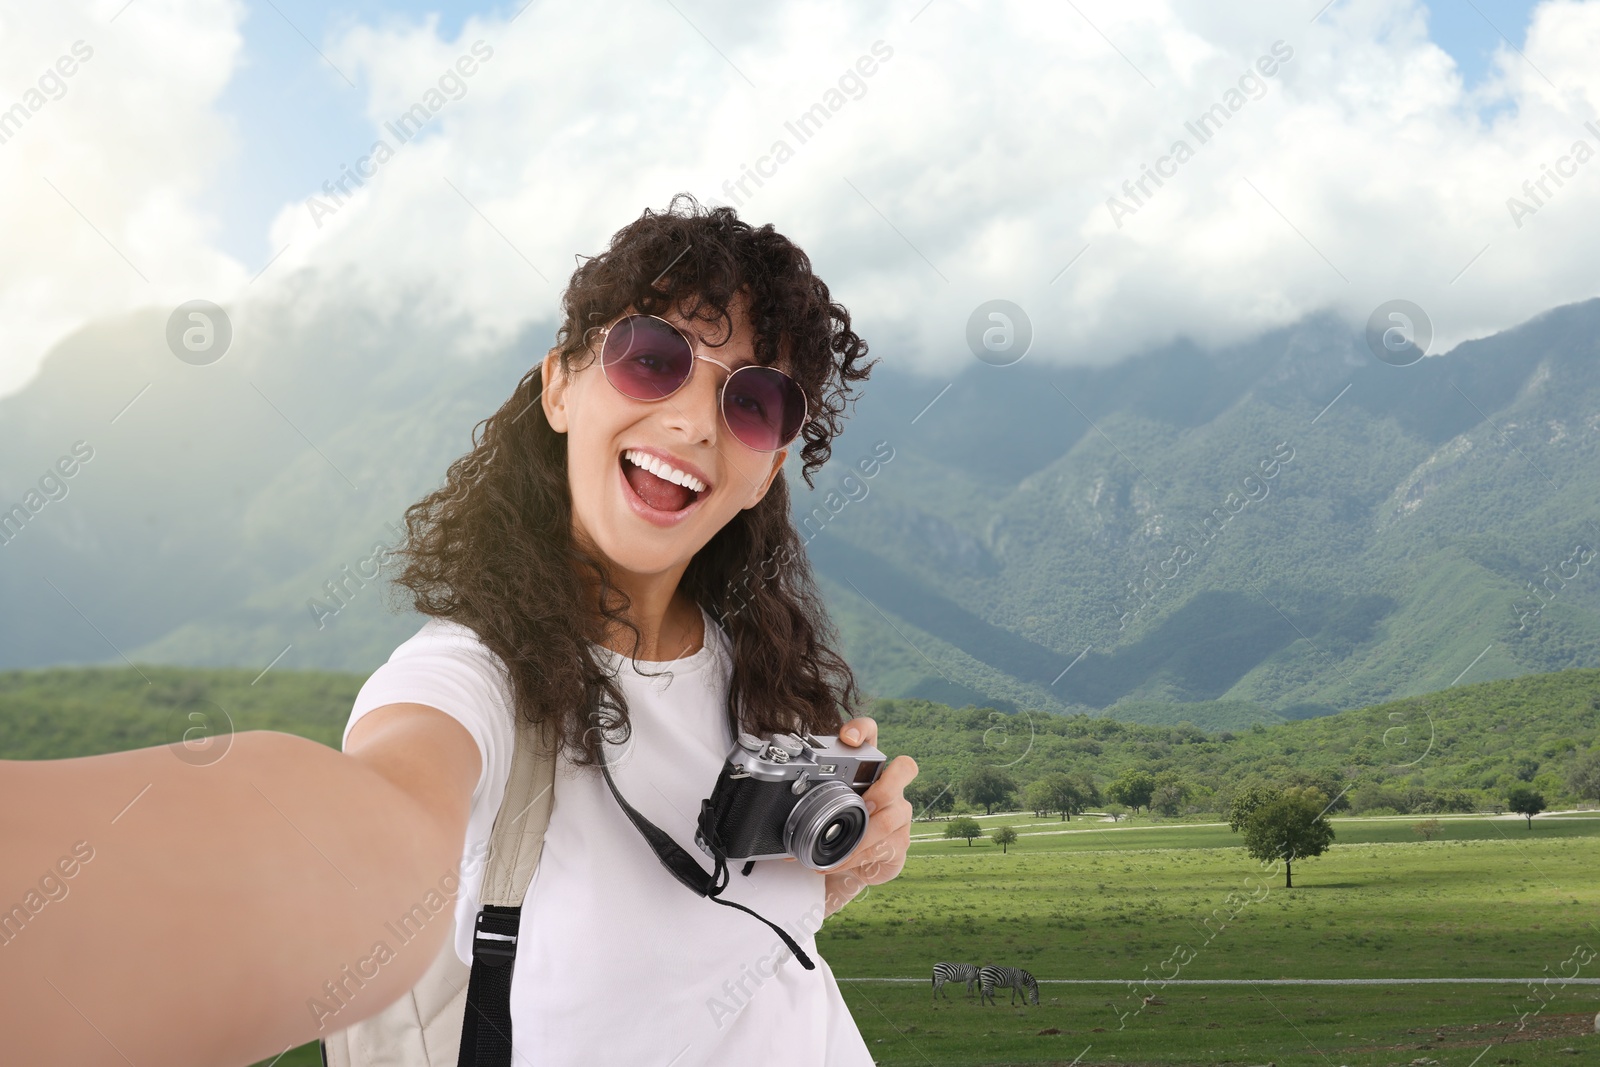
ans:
(1272, 981)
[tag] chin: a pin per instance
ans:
(635, 557)
(640, 547)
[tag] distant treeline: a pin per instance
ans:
(1460, 749)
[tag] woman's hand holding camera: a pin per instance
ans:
(882, 852)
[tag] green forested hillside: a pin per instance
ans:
(1290, 524)
(1413, 754)
(61, 712)
(1463, 747)
(1272, 530)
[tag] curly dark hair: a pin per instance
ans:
(494, 549)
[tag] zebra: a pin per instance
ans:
(953, 972)
(1013, 978)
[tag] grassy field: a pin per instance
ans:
(1120, 904)
(1136, 901)
(1488, 899)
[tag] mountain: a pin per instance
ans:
(1266, 531)
(1191, 526)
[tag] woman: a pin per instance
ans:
(619, 537)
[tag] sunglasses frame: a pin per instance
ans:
(805, 406)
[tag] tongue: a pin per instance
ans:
(659, 493)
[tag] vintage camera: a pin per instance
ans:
(790, 795)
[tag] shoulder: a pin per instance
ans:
(444, 633)
(445, 665)
(443, 645)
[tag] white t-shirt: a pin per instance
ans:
(617, 961)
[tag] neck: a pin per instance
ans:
(669, 622)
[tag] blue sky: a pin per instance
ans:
(299, 120)
(946, 181)
(1468, 31)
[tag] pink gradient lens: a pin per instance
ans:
(647, 358)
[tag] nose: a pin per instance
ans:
(692, 410)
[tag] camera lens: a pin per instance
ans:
(825, 826)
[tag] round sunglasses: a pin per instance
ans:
(645, 357)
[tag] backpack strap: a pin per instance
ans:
(514, 849)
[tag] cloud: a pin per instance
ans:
(102, 170)
(976, 162)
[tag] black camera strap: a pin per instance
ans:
(684, 867)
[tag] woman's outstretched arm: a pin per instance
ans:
(153, 911)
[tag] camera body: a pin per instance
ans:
(790, 795)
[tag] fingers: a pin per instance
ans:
(890, 787)
(895, 775)
(884, 848)
(894, 817)
(889, 825)
(861, 730)
(893, 779)
(887, 806)
(889, 821)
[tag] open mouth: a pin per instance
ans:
(661, 487)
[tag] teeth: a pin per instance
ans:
(663, 470)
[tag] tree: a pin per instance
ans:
(1133, 788)
(1058, 792)
(964, 827)
(1288, 828)
(1427, 828)
(1525, 802)
(1372, 795)
(1246, 801)
(1003, 836)
(1115, 810)
(1584, 777)
(1170, 793)
(928, 797)
(988, 786)
(1037, 796)
(1329, 783)
(1310, 793)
